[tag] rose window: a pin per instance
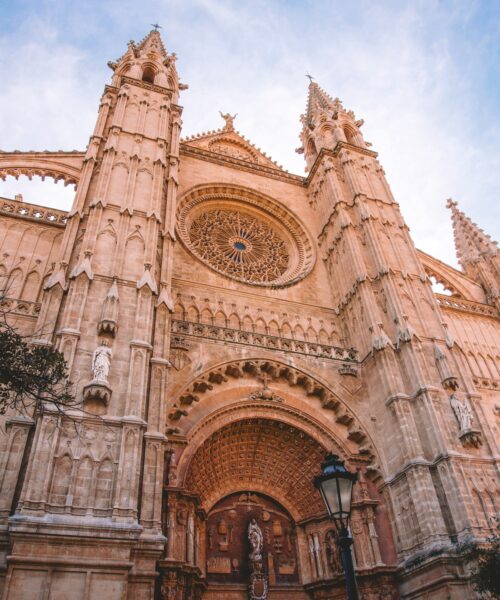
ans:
(239, 245)
(245, 242)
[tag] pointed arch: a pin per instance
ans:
(274, 328)
(220, 319)
(323, 337)
(207, 316)
(143, 190)
(61, 479)
(104, 250)
(193, 314)
(298, 332)
(234, 321)
(247, 323)
(286, 330)
(148, 73)
(83, 482)
(14, 283)
(131, 117)
(311, 334)
(31, 287)
(260, 325)
(179, 311)
(104, 484)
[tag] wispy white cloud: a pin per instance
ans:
(419, 73)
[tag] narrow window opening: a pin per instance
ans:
(148, 75)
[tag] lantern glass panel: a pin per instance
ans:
(345, 486)
(329, 491)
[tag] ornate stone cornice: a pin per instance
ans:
(146, 86)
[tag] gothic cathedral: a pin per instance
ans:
(226, 324)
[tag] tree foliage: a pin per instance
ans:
(486, 575)
(31, 375)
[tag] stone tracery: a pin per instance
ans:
(239, 245)
(244, 236)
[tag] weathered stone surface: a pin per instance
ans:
(248, 321)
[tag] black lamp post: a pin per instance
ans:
(335, 485)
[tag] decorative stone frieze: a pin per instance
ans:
(236, 336)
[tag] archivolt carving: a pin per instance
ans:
(245, 236)
(272, 370)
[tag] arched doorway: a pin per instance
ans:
(260, 468)
(244, 448)
(228, 549)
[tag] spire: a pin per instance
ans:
(471, 242)
(153, 43)
(319, 102)
(326, 123)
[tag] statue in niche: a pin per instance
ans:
(258, 585)
(462, 412)
(256, 540)
(332, 552)
(101, 362)
(210, 534)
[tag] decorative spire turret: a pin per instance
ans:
(326, 123)
(149, 61)
(477, 253)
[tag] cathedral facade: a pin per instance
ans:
(226, 324)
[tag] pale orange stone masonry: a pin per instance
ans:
(254, 320)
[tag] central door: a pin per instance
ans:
(228, 547)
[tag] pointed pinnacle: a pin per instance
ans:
(471, 242)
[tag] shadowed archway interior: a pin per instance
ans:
(263, 455)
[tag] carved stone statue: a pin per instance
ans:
(462, 412)
(229, 119)
(332, 553)
(256, 540)
(101, 361)
(258, 585)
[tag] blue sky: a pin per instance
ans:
(424, 75)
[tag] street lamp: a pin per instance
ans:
(335, 485)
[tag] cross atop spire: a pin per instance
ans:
(471, 242)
